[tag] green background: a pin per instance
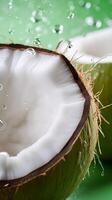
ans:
(44, 23)
(34, 21)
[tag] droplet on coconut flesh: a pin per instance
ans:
(93, 53)
(49, 119)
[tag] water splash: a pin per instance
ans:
(58, 29)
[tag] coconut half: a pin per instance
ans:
(94, 53)
(43, 108)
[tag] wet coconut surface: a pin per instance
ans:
(41, 93)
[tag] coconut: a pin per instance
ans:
(48, 124)
(94, 53)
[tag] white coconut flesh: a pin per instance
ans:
(95, 47)
(41, 106)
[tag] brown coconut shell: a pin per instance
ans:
(57, 178)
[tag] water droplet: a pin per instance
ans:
(26, 106)
(79, 157)
(1, 87)
(95, 75)
(101, 165)
(71, 15)
(10, 4)
(71, 6)
(85, 144)
(2, 125)
(109, 22)
(97, 7)
(82, 3)
(34, 19)
(38, 29)
(98, 24)
(89, 21)
(31, 51)
(58, 29)
(27, 41)
(88, 5)
(102, 173)
(49, 46)
(6, 185)
(37, 42)
(4, 107)
(17, 17)
(10, 31)
(44, 19)
(36, 16)
(84, 178)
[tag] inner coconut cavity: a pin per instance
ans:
(95, 47)
(41, 105)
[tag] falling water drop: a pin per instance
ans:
(58, 29)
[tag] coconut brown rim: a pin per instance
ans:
(42, 170)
